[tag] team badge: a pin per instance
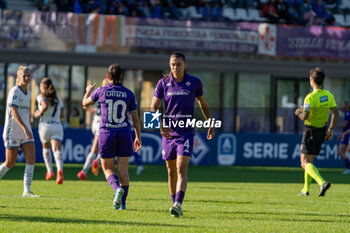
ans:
(168, 84)
(188, 84)
(163, 152)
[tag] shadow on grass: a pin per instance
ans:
(158, 173)
(255, 216)
(41, 219)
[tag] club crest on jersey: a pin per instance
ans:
(14, 97)
(188, 84)
(168, 84)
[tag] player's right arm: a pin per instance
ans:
(87, 99)
(165, 132)
(44, 106)
(18, 119)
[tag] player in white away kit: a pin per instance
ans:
(17, 129)
(50, 111)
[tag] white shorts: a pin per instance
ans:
(13, 143)
(48, 132)
(95, 128)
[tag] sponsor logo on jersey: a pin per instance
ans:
(323, 99)
(183, 92)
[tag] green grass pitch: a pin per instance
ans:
(218, 199)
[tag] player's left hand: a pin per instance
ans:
(329, 135)
(211, 133)
(137, 144)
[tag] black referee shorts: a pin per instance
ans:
(312, 140)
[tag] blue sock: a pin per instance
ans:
(347, 163)
(173, 197)
(137, 159)
(113, 181)
(179, 196)
(126, 190)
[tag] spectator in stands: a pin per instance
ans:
(283, 10)
(170, 10)
(306, 14)
(320, 10)
(336, 2)
(3, 4)
(246, 3)
(216, 12)
(317, 21)
(330, 21)
(143, 8)
(77, 7)
(187, 8)
(203, 9)
(157, 10)
(269, 11)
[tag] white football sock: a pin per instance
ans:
(347, 154)
(3, 170)
(88, 162)
(47, 159)
(59, 160)
(28, 177)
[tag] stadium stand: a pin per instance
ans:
(211, 10)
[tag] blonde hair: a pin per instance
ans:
(21, 70)
(105, 82)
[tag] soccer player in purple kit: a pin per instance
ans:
(115, 134)
(179, 90)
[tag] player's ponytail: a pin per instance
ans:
(49, 90)
(115, 74)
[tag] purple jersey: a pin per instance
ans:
(115, 102)
(179, 98)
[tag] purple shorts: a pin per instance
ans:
(115, 143)
(182, 145)
(345, 139)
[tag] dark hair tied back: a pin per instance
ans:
(179, 55)
(50, 91)
(115, 73)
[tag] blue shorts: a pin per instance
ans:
(174, 146)
(345, 139)
(115, 143)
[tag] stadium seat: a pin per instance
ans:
(340, 19)
(347, 21)
(344, 5)
(241, 14)
(254, 15)
(229, 13)
(193, 13)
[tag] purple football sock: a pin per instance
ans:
(113, 181)
(126, 190)
(347, 163)
(173, 197)
(179, 196)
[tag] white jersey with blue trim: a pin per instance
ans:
(52, 115)
(21, 100)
